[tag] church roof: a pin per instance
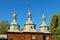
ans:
(30, 30)
(43, 24)
(14, 25)
(15, 30)
(45, 31)
(29, 22)
(44, 27)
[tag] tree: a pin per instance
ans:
(55, 26)
(54, 23)
(4, 26)
(58, 28)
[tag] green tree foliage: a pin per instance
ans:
(58, 28)
(55, 26)
(4, 26)
(54, 23)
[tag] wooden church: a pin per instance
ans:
(29, 32)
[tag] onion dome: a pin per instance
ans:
(14, 27)
(29, 21)
(14, 18)
(44, 27)
(43, 21)
(29, 25)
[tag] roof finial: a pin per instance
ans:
(14, 14)
(29, 14)
(43, 18)
(43, 15)
(28, 7)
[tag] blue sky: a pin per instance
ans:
(36, 7)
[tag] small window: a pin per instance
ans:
(33, 37)
(47, 37)
(31, 27)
